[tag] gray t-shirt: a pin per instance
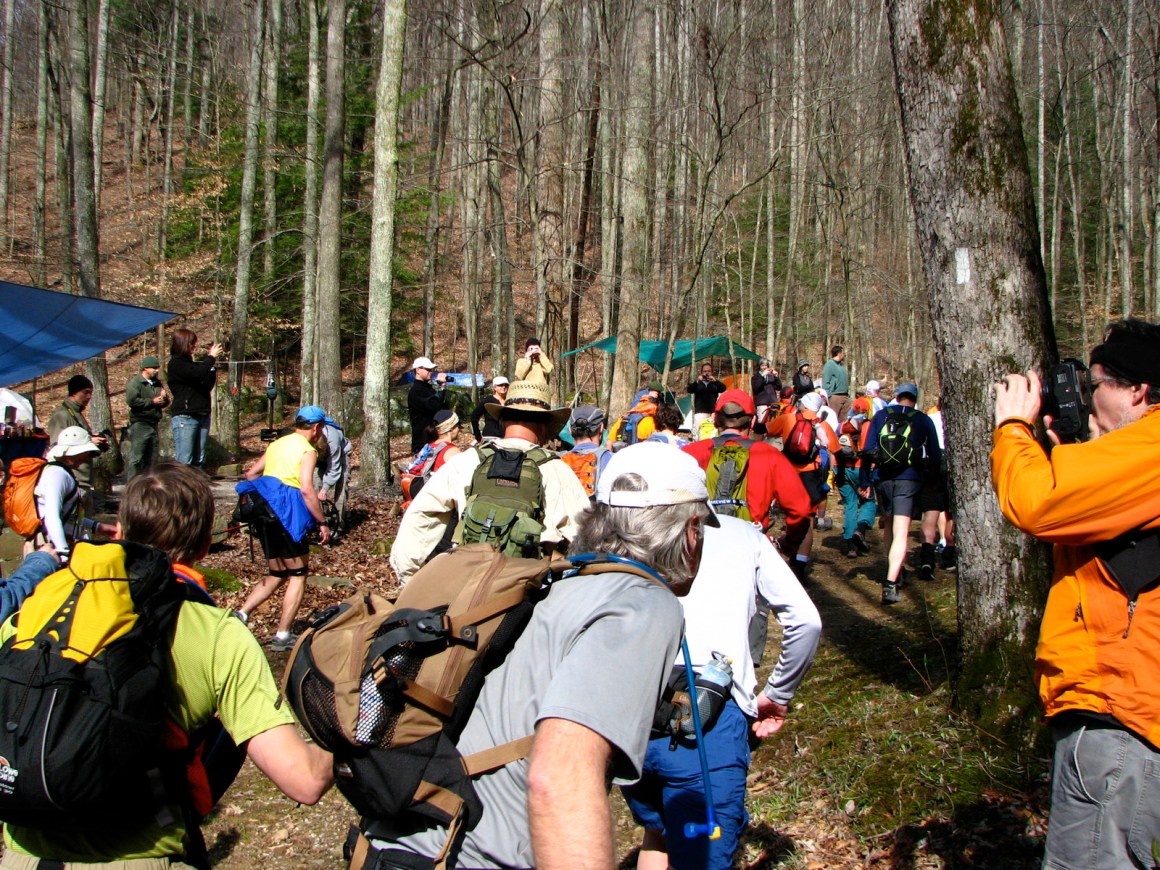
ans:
(596, 652)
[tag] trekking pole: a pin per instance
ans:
(710, 829)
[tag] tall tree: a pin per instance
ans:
(375, 469)
(635, 197)
(228, 423)
(329, 340)
(6, 119)
(975, 222)
(308, 370)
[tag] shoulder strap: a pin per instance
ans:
(722, 440)
(607, 563)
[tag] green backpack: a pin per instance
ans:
(505, 502)
(726, 477)
(896, 451)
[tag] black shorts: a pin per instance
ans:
(934, 495)
(276, 541)
(815, 484)
(898, 497)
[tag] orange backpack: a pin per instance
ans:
(585, 465)
(20, 513)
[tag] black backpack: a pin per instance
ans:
(896, 449)
(82, 742)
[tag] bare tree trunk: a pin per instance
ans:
(1125, 217)
(329, 341)
(971, 193)
(610, 223)
(86, 238)
(308, 369)
(270, 137)
(169, 119)
(228, 424)
(6, 122)
(187, 83)
(375, 469)
(550, 157)
(39, 205)
(100, 87)
(634, 287)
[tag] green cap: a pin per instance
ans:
(150, 362)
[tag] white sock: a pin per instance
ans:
(281, 635)
(243, 616)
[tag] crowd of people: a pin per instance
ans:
(709, 518)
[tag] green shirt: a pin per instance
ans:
(219, 667)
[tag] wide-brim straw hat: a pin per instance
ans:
(530, 398)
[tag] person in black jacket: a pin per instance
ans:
(765, 386)
(191, 383)
(491, 427)
(802, 381)
(424, 399)
(705, 391)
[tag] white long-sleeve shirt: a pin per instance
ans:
(57, 494)
(737, 562)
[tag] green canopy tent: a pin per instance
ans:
(652, 353)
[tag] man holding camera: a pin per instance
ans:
(704, 391)
(534, 366)
(1099, 642)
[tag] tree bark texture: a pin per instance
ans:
(975, 223)
(329, 345)
(375, 469)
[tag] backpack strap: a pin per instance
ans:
(722, 440)
(609, 563)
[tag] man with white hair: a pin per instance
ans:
(583, 679)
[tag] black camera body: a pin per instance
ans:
(1067, 398)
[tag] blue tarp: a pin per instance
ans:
(44, 330)
(652, 353)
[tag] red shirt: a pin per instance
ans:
(773, 482)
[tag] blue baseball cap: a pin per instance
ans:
(907, 390)
(313, 414)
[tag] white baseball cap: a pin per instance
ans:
(671, 477)
(423, 363)
(872, 387)
(73, 441)
(501, 381)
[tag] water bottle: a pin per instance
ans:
(713, 688)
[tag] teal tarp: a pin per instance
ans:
(652, 353)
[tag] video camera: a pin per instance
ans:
(1067, 397)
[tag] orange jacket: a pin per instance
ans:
(1097, 651)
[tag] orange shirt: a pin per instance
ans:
(780, 427)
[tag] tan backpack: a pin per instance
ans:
(388, 686)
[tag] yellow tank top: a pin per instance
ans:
(284, 458)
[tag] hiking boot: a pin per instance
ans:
(890, 593)
(800, 570)
(950, 559)
(926, 562)
(279, 644)
(860, 543)
(823, 524)
(851, 549)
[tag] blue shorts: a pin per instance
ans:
(671, 792)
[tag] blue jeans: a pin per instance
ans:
(1105, 800)
(857, 511)
(671, 792)
(190, 434)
